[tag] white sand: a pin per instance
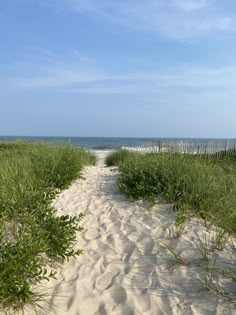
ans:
(120, 272)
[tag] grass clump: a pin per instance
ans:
(31, 233)
(206, 186)
(118, 156)
(202, 185)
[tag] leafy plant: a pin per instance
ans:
(61, 235)
(22, 264)
(31, 233)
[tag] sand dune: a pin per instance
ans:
(124, 269)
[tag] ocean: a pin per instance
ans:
(108, 144)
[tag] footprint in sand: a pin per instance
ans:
(105, 281)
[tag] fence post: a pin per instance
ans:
(206, 147)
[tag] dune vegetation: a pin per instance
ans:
(203, 185)
(31, 232)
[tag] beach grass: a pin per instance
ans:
(204, 186)
(118, 157)
(197, 185)
(31, 232)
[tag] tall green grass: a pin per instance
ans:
(203, 185)
(117, 157)
(31, 233)
(206, 186)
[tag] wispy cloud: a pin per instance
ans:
(101, 90)
(191, 5)
(52, 71)
(84, 76)
(176, 19)
(56, 78)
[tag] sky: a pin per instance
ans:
(118, 68)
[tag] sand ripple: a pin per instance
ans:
(121, 272)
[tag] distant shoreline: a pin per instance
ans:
(108, 144)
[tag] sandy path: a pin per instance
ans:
(120, 272)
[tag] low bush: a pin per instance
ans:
(202, 184)
(31, 233)
(207, 186)
(118, 156)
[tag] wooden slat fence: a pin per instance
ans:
(197, 147)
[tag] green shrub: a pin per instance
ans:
(116, 157)
(60, 233)
(31, 233)
(207, 186)
(204, 184)
(22, 263)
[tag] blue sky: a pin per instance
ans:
(157, 68)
